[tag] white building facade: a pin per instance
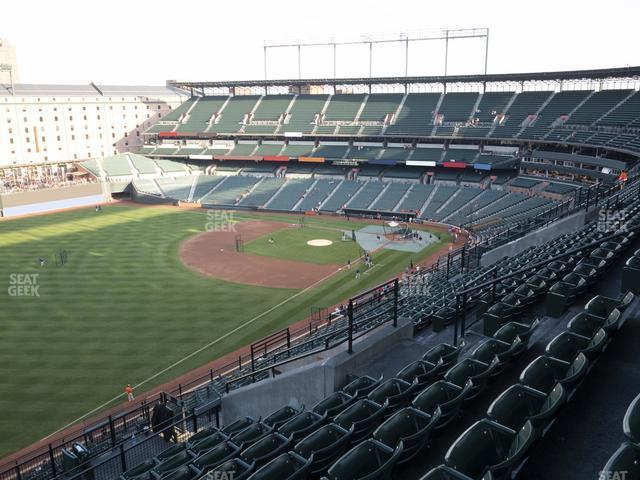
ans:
(9, 71)
(62, 123)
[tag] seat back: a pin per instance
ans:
(515, 406)
(631, 421)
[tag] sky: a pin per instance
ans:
(143, 42)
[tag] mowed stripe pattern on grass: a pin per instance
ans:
(124, 308)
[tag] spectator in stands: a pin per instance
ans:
(129, 391)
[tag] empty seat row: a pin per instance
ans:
(496, 445)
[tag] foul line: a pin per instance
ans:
(210, 344)
(201, 349)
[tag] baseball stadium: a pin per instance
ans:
(411, 277)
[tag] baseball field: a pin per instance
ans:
(95, 300)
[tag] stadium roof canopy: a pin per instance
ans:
(632, 73)
(88, 90)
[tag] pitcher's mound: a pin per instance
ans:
(319, 242)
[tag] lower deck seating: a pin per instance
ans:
(290, 194)
(230, 192)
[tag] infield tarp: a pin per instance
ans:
(372, 237)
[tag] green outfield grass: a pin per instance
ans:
(124, 307)
(291, 243)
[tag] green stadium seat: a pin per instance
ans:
(215, 456)
(567, 345)
(206, 443)
(512, 330)
(251, 434)
(625, 459)
(201, 435)
(361, 386)
(602, 307)
(519, 404)
(409, 426)
(237, 426)
(576, 281)
(631, 421)
(489, 446)
(443, 356)
(139, 470)
(544, 372)
(334, 404)
(302, 425)
(442, 317)
(537, 284)
(471, 370)
(444, 396)
(324, 446)
(171, 451)
(603, 255)
(442, 472)
(281, 416)
(364, 416)
(266, 449)
(631, 275)
(598, 264)
(560, 297)
(525, 295)
(496, 316)
(178, 460)
(395, 392)
(422, 372)
(288, 466)
(492, 348)
(549, 276)
(587, 326)
(369, 460)
(180, 473)
(587, 272)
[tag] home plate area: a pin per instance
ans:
(401, 238)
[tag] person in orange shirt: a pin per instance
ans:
(129, 391)
(622, 178)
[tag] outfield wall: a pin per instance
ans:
(45, 200)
